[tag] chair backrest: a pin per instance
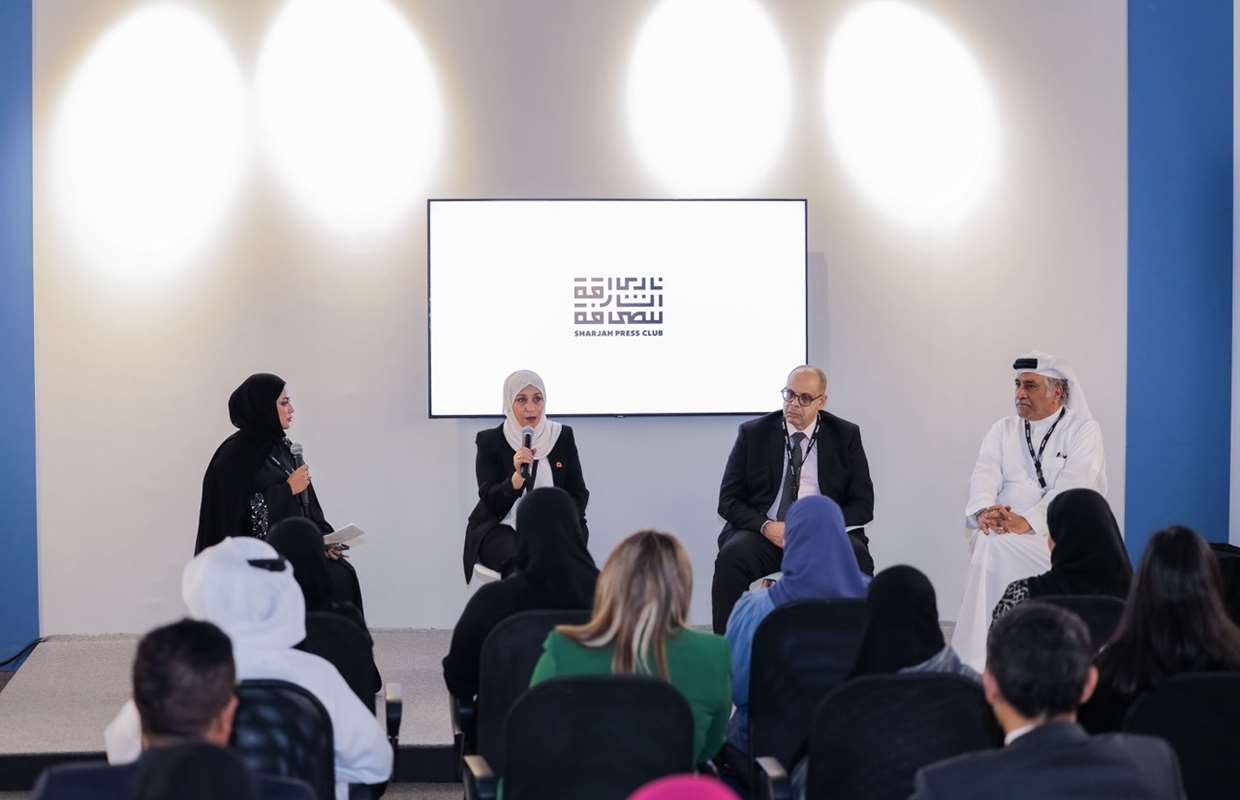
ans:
(348, 648)
(597, 736)
(509, 654)
(872, 734)
(283, 729)
(1101, 613)
(1197, 714)
(800, 652)
(1229, 567)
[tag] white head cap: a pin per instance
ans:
(1050, 366)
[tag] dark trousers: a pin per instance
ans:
(499, 550)
(747, 555)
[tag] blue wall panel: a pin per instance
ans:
(1179, 267)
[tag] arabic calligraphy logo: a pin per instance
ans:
(618, 301)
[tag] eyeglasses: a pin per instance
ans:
(802, 399)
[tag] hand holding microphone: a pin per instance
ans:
(300, 479)
(522, 459)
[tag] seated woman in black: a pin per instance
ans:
(253, 482)
(335, 631)
(553, 569)
(1174, 623)
(551, 459)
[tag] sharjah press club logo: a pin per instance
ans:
(627, 306)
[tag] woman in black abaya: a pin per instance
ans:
(252, 482)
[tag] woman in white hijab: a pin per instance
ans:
(243, 586)
(550, 459)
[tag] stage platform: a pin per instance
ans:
(54, 709)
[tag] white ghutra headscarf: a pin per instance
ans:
(546, 432)
(1050, 366)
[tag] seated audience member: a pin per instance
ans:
(1174, 623)
(902, 632)
(300, 542)
(193, 772)
(640, 625)
(183, 681)
(818, 564)
(1087, 553)
(1038, 672)
(244, 587)
(553, 570)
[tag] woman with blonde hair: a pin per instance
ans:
(640, 626)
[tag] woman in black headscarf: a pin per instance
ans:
(552, 570)
(335, 631)
(1087, 553)
(902, 632)
(253, 482)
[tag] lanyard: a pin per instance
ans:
(813, 440)
(1037, 459)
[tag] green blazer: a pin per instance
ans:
(697, 662)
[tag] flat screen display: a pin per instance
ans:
(624, 307)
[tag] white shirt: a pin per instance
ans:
(1018, 732)
(1005, 474)
(542, 478)
(809, 468)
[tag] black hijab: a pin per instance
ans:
(197, 771)
(902, 628)
(226, 485)
(551, 552)
(300, 541)
(1089, 555)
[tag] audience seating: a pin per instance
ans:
(800, 653)
(1198, 715)
(598, 736)
(872, 734)
(1229, 566)
(508, 657)
(282, 729)
(1100, 613)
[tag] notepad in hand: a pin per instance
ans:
(341, 535)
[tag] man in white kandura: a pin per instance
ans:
(1050, 445)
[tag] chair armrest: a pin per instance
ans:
(708, 768)
(773, 783)
(479, 780)
(394, 709)
(464, 715)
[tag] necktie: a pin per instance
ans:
(792, 477)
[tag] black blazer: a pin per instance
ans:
(1059, 760)
(100, 781)
(755, 467)
(493, 466)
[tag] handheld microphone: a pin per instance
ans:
(298, 462)
(527, 437)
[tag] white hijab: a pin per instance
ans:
(1050, 366)
(546, 433)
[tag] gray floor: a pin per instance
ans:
(71, 687)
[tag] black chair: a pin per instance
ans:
(282, 729)
(597, 736)
(509, 654)
(1197, 715)
(1229, 567)
(872, 734)
(800, 653)
(1100, 613)
(348, 648)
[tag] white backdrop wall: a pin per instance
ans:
(916, 330)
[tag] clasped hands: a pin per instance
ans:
(1001, 519)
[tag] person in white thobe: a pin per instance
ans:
(1052, 443)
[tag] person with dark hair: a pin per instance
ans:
(335, 630)
(1174, 623)
(902, 632)
(183, 690)
(1038, 672)
(1087, 553)
(253, 480)
(553, 570)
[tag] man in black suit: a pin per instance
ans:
(1038, 671)
(800, 451)
(184, 679)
